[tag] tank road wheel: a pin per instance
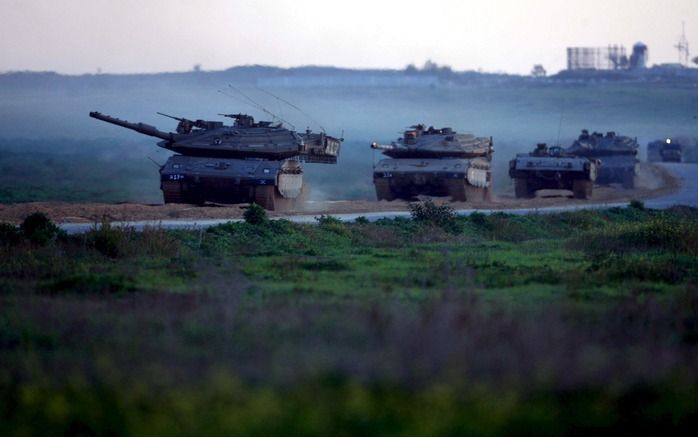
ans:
(457, 189)
(172, 192)
(383, 190)
(582, 189)
(521, 188)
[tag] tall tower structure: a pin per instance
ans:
(682, 46)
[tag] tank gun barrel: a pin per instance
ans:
(377, 146)
(142, 128)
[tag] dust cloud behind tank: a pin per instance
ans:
(617, 154)
(434, 162)
(245, 162)
(553, 169)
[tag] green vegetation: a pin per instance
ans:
(487, 324)
(255, 215)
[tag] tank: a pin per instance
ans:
(667, 150)
(617, 154)
(244, 162)
(552, 168)
(434, 162)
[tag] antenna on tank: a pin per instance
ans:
(255, 105)
(154, 162)
(292, 106)
(559, 127)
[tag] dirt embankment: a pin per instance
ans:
(652, 181)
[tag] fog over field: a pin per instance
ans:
(45, 121)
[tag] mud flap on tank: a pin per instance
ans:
(582, 188)
(290, 185)
(172, 192)
(383, 190)
(478, 177)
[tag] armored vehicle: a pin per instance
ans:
(668, 150)
(552, 168)
(245, 162)
(434, 162)
(618, 156)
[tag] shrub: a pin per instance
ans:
(255, 215)
(430, 213)
(478, 219)
(109, 240)
(39, 229)
(333, 224)
(325, 220)
(637, 204)
(361, 220)
(9, 235)
(157, 241)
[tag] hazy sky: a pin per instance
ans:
(119, 36)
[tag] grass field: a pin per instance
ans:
(488, 325)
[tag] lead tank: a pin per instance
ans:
(553, 169)
(247, 161)
(434, 162)
(617, 153)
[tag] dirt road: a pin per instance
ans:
(654, 181)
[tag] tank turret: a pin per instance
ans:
(434, 162)
(618, 154)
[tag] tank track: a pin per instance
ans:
(521, 188)
(383, 190)
(582, 189)
(172, 192)
(269, 198)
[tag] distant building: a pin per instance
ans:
(612, 57)
(638, 59)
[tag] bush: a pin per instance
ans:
(39, 229)
(325, 220)
(637, 204)
(479, 219)
(361, 220)
(9, 235)
(109, 240)
(333, 224)
(430, 213)
(255, 215)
